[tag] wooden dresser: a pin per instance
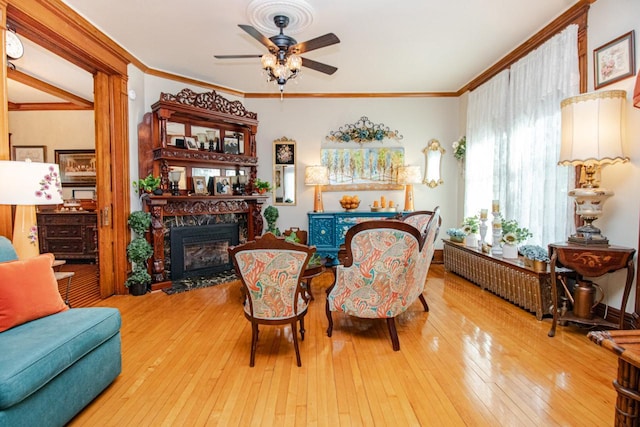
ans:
(68, 235)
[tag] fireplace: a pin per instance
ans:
(201, 250)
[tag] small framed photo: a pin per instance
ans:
(221, 185)
(230, 145)
(36, 153)
(191, 143)
(614, 61)
(200, 185)
(284, 153)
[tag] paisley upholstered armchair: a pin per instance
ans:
(385, 271)
(270, 269)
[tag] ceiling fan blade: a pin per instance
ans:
(258, 36)
(317, 43)
(318, 66)
(236, 56)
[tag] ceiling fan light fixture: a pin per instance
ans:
(294, 62)
(268, 61)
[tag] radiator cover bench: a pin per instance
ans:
(507, 278)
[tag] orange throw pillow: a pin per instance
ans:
(28, 291)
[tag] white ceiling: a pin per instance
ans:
(402, 46)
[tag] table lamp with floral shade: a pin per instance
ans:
(26, 184)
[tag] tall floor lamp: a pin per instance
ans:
(593, 135)
(407, 176)
(26, 184)
(318, 176)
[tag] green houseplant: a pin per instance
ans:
(262, 186)
(138, 252)
(271, 214)
(148, 185)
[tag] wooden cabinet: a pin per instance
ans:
(68, 235)
(327, 230)
(204, 135)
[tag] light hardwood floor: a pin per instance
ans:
(473, 360)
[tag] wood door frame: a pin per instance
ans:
(56, 27)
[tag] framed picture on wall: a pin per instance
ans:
(77, 167)
(285, 153)
(614, 61)
(36, 153)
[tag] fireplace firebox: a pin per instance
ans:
(201, 250)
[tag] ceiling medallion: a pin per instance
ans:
(262, 12)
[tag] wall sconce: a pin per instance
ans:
(26, 184)
(593, 134)
(407, 176)
(318, 176)
(433, 163)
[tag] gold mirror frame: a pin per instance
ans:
(433, 153)
(284, 172)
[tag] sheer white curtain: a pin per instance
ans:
(524, 127)
(487, 129)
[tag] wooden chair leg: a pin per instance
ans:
(301, 329)
(295, 342)
(391, 323)
(424, 302)
(329, 318)
(254, 343)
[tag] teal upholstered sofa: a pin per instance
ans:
(52, 367)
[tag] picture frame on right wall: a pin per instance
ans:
(614, 61)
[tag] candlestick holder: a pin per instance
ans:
(483, 230)
(496, 227)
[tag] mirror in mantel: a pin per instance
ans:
(284, 172)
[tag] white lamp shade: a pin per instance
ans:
(30, 183)
(593, 128)
(409, 175)
(316, 175)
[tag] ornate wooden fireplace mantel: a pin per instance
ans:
(162, 206)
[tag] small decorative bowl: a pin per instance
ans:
(350, 206)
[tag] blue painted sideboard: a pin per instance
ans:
(328, 229)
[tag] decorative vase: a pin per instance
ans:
(509, 251)
(471, 241)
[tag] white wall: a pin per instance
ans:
(309, 121)
(609, 19)
(57, 130)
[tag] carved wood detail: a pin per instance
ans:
(209, 101)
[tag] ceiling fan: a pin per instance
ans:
(283, 62)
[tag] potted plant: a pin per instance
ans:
(470, 227)
(138, 252)
(456, 235)
(150, 184)
(535, 257)
(262, 186)
(512, 234)
(271, 214)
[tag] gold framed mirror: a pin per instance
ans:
(433, 163)
(284, 172)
